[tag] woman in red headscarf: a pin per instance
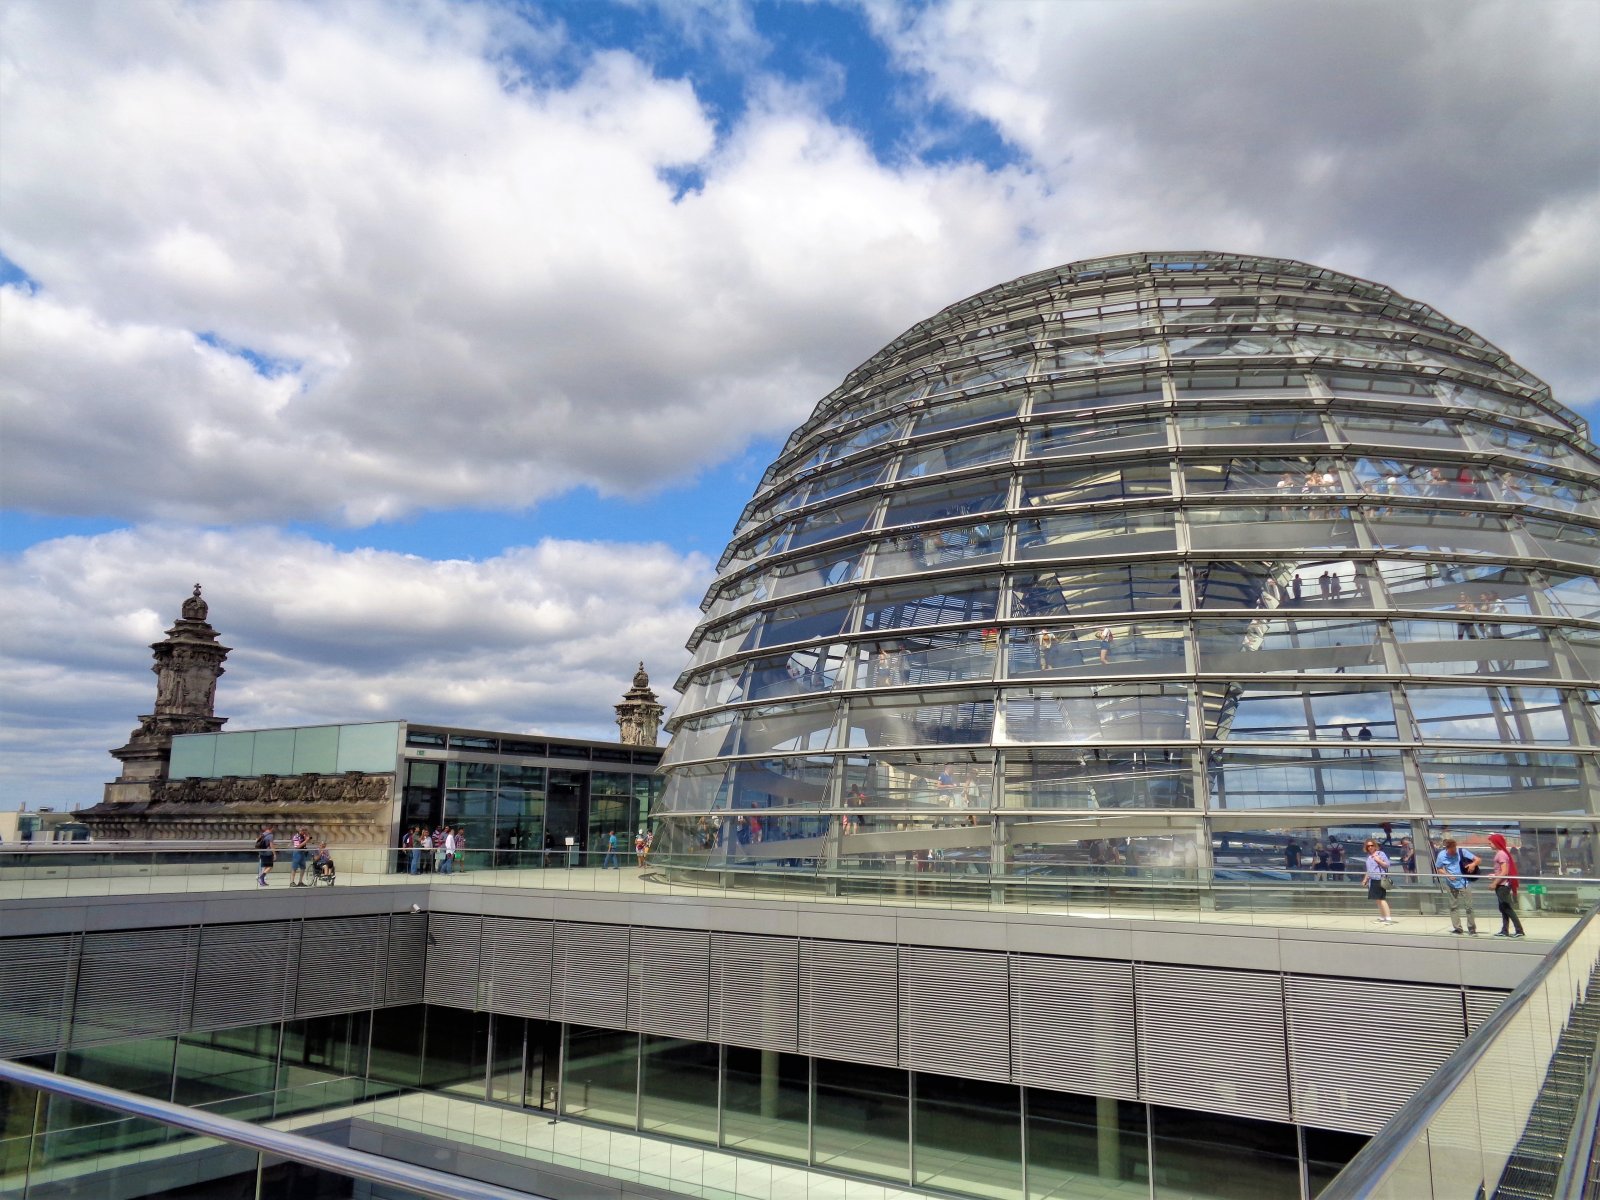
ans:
(1504, 883)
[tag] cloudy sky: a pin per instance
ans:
(443, 342)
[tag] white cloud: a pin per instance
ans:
(542, 638)
(486, 294)
(1415, 144)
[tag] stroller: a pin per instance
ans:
(322, 870)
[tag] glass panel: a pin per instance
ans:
(916, 780)
(1267, 711)
(951, 601)
(368, 748)
(1108, 590)
(235, 754)
(1084, 1147)
(1249, 426)
(924, 549)
(1289, 645)
(1082, 485)
(945, 656)
(506, 1073)
(805, 620)
(996, 446)
(1272, 583)
(470, 775)
(765, 1102)
(920, 718)
(1492, 646)
(1439, 586)
(324, 1059)
(519, 811)
(678, 1091)
(455, 1057)
(780, 727)
(1099, 393)
(1187, 1146)
(1354, 774)
(930, 502)
(1136, 712)
(838, 521)
(397, 1037)
(1096, 435)
(231, 1071)
(1298, 482)
(1099, 778)
(1291, 529)
(193, 756)
(1443, 532)
(1116, 648)
(1251, 381)
(602, 1068)
(1488, 714)
(316, 750)
(274, 753)
(1327, 1153)
(1119, 531)
(861, 1121)
(969, 1136)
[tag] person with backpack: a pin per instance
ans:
(1504, 883)
(1378, 880)
(1456, 865)
(265, 855)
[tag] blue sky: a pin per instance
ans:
(444, 342)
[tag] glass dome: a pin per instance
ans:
(1170, 559)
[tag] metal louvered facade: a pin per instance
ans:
(516, 966)
(850, 1001)
(755, 991)
(344, 965)
(1187, 546)
(134, 984)
(1073, 1025)
(246, 974)
(589, 974)
(669, 990)
(955, 1012)
(36, 979)
(454, 952)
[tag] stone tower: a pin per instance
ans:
(639, 714)
(187, 664)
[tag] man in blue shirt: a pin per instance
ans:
(1455, 865)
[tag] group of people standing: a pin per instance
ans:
(306, 857)
(1457, 867)
(441, 851)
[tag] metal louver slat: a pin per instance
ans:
(670, 989)
(1212, 1040)
(1336, 1026)
(516, 966)
(754, 991)
(955, 1012)
(341, 964)
(1481, 1003)
(246, 974)
(589, 974)
(35, 975)
(133, 983)
(1072, 1025)
(406, 964)
(849, 1002)
(454, 948)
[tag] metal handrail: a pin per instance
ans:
(1379, 1156)
(341, 1160)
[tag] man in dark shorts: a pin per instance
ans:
(265, 855)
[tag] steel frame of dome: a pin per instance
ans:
(1145, 556)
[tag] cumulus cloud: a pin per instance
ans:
(541, 638)
(472, 286)
(1444, 148)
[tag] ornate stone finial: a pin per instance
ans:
(194, 608)
(639, 714)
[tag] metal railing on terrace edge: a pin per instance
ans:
(132, 1145)
(1511, 1113)
(1237, 894)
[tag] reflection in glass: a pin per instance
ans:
(602, 1076)
(1084, 1147)
(766, 1102)
(1262, 1156)
(678, 1088)
(968, 1136)
(861, 1121)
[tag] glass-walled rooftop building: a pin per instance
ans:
(1168, 558)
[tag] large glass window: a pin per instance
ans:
(1351, 713)
(1249, 426)
(455, 1051)
(1081, 592)
(1081, 485)
(231, 1071)
(992, 446)
(942, 656)
(1085, 1147)
(324, 1060)
(1488, 714)
(930, 502)
(1353, 775)
(766, 1102)
(1289, 645)
(1327, 1153)
(915, 550)
(861, 1121)
(602, 1075)
(1118, 531)
(1098, 393)
(1115, 648)
(921, 718)
(678, 1088)
(1134, 712)
(1114, 777)
(948, 780)
(397, 1040)
(1262, 1157)
(973, 598)
(968, 1136)
(1096, 435)
(519, 813)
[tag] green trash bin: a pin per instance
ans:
(1536, 890)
